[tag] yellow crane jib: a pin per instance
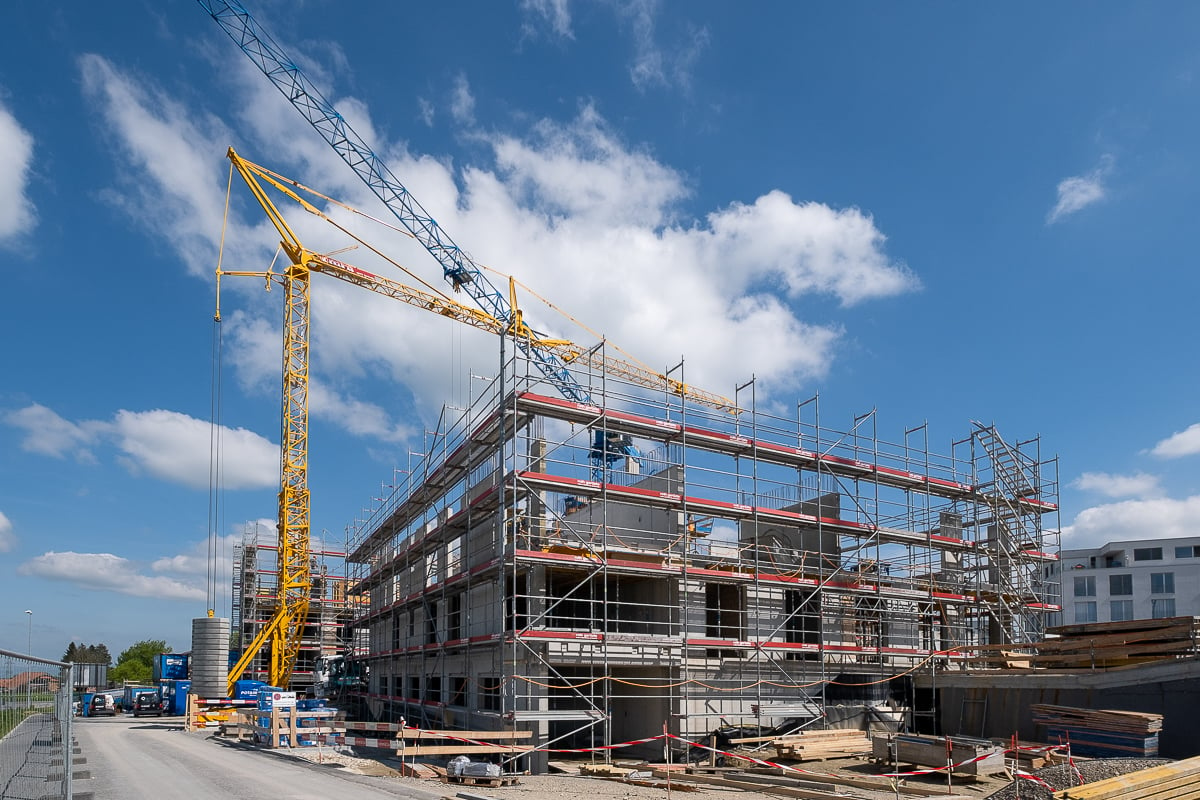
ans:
(286, 625)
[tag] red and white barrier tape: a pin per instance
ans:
(392, 744)
(396, 744)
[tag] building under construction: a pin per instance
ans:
(591, 571)
(256, 599)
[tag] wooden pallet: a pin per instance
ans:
(481, 780)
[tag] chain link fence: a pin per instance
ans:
(36, 744)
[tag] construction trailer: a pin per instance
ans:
(535, 571)
(256, 596)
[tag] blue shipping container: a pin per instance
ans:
(247, 689)
(170, 667)
(174, 695)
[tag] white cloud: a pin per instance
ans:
(8, 539)
(17, 215)
(1181, 443)
(48, 434)
(196, 561)
(176, 447)
(462, 102)
(358, 417)
(1137, 485)
(566, 205)
(1132, 520)
(581, 171)
(166, 444)
(808, 247)
(1081, 191)
(254, 350)
(106, 572)
(554, 14)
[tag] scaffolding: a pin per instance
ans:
(255, 598)
(745, 568)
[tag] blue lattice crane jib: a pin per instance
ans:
(457, 266)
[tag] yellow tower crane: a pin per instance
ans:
(285, 628)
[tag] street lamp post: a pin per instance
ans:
(29, 651)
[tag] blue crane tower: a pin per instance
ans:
(457, 266)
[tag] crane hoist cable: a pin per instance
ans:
(566, 350)
(458, 267)
(285, 627)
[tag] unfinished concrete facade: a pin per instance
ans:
(538, 571)
(255, 599)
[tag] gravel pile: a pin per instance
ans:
(1060, 777)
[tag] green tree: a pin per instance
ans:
(87, 654)
(136, 662)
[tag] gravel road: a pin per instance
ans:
(149, 759)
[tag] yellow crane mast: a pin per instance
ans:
(285, 628)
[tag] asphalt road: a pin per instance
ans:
(29, 758)
(152, 759)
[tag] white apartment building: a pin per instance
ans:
(1145, 579)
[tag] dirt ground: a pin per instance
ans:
(572, 786)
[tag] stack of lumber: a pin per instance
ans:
(1105, 644)
(819, 745)
(1179, 780)
(1100, 733)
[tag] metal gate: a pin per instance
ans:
(35, 727)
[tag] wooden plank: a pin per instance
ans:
(864, 782)
(1084, 628)
(457, 749)
(1133, 722)
(482, 736)
(1104, 638)
(1176, 780)
(810, 736)
(785, 791)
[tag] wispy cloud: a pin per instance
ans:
(17, 215)
(554, 15)
(425, 111)
(8, 539)
(1182, 443)
(168, 142)
(462, 102)
(1080, 191)
(1137, 485)
(48, 434)
(655, 64)
(166, 444)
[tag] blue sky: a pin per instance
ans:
(942, 211)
